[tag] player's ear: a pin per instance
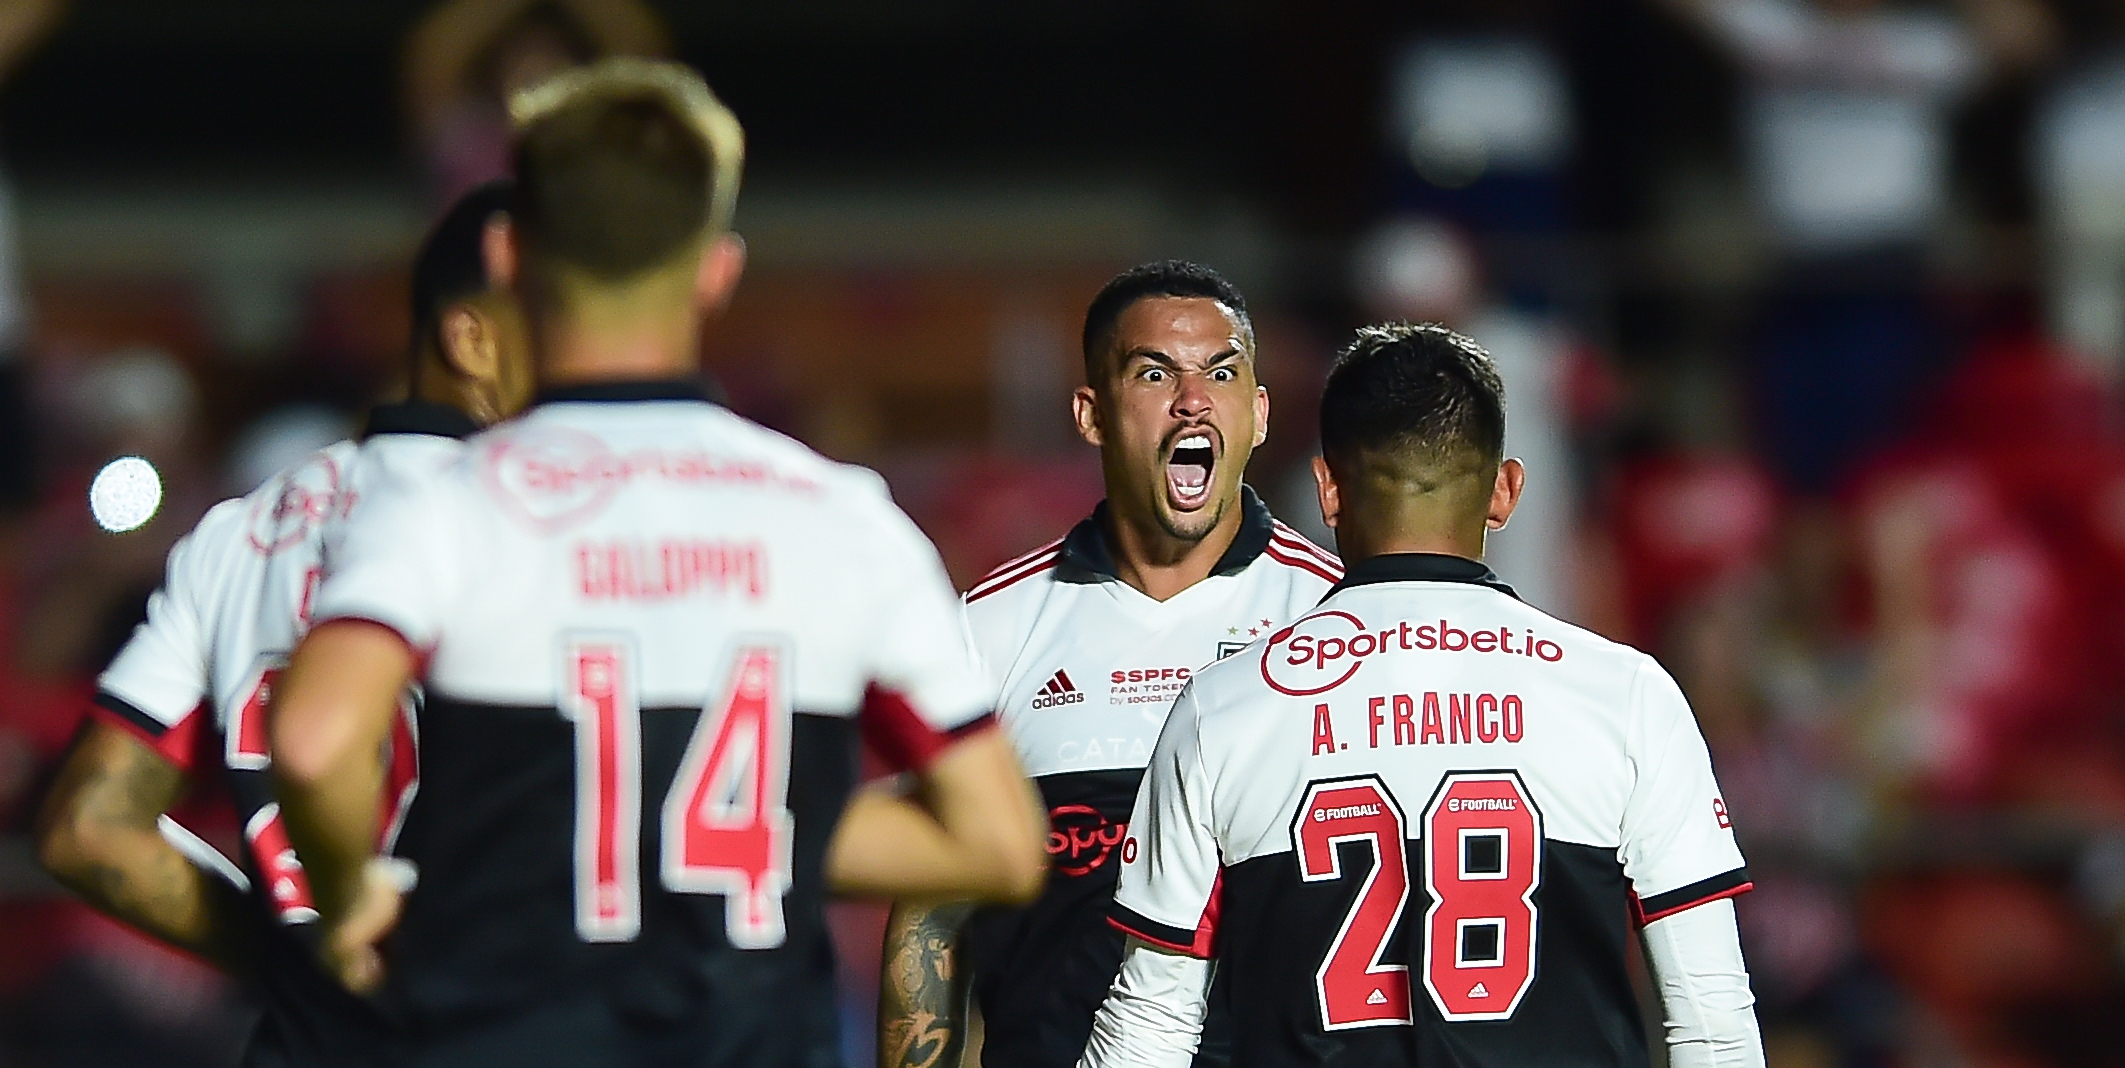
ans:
(1505, 493)
(1324, 483)
(498, 252)
(1084, 411)
(1261, 415)
(721, 264)
(472, 346)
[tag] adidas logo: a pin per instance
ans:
(1059, 691)
(1379, 997)
(1479, 991)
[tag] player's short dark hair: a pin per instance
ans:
(612, 184)
(1416, 395)
(1164, 278)
(451, 264)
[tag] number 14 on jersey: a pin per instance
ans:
(725, 825)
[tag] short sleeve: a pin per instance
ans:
(389, 561)
(156, 685)
(926, 690)
(1171, 875)
(1678, 842)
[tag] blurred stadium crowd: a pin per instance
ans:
(1812, 313)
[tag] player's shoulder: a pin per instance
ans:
(1558, 641)
(287, 510)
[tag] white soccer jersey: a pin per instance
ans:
(650, 631)
(1084, 668)
(1413, 827)
(195, 679)
(235, 599)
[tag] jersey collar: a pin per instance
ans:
(1086, 557)
(1420, 567)
(419, 417)
(622, 392)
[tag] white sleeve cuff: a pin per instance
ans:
(1153, 1015)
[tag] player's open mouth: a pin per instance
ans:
(1188, 470)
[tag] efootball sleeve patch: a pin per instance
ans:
(1681, 899)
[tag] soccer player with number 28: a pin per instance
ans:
(1415, 826)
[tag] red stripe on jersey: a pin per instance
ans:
(1303, 563)
(901, 737)
(1287, 538)
(1009, 567)
(1038, 567)
(1732, 884)
(1197, 943)
(1020, 559)
(177, 744)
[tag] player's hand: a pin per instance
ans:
(350, 945)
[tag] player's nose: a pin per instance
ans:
(1191, 400)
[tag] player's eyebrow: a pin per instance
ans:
(1169, 363)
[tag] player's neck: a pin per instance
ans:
(1160, 565)
(589, 348)
(1358, 540)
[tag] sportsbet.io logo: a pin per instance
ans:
(1324, 650)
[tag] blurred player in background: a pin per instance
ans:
(189, 691)
(466, 58)
(1413, 826)
(649, 632)
(1087, 640)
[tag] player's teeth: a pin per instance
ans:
(1193, 441)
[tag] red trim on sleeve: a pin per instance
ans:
(1641, 917)
(178, 744)
(901, 737)
(1200, 942)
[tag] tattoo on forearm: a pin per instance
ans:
(120, 790)
(922, 1002)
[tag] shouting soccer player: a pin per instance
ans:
(1088, 640)
(189, 691)
(1414, 826)
(648, 631)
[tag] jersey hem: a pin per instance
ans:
(1682, 899)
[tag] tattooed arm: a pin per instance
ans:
(922, 995)
(98, 834)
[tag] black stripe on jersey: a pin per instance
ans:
(1177, 939)
(127, 711)
(1725, 884)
